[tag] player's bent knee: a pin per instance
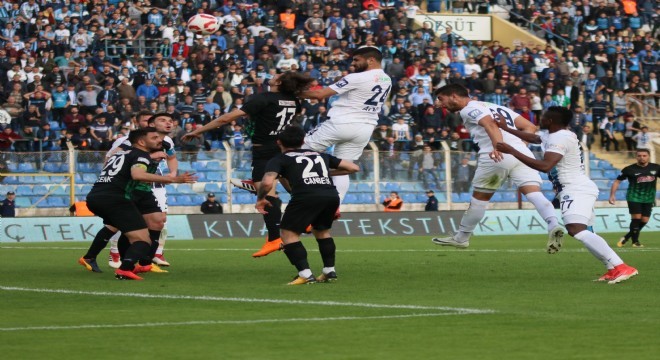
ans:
(138, 235)
(529, 187)
(574, 229)
(483, 194)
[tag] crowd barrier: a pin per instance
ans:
(192, 227)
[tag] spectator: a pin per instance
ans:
(7, 139)
(393, 203)
(428, 168)
(431, 201)
(211, 205)
(8, 206)
(463, 174)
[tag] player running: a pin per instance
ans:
(163, 123)
(494, 168)
(640, 195)
(116, 198)
(269, 114)
(577, 193)
(314, 200)
(354, 115)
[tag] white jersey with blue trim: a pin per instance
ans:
(570, 169)
(477, 110)
(361, 97)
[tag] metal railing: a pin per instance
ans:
(535, 29)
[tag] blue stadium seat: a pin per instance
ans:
(593, 164)
(201, 176)
(596, 174)
(52, 167)
(217, 145)
(42, 180)
(603, 196)
(89, 178)
(497, 197)
(185, 189)
(184, 200)
(220, 155)
(351, 199)
(198, 166)
(602, 184)
(546, 186)
(170, 189)
(212, 187)
(364, 187)
(243, 198)
(352, 187)
(611, 174)
(23, 190)
(421, 198)
(172, 200)
(544, 176)
(509, 196)
(605, 165)
(462, 197)
(37, 190)
(442, 197)
(623, 185)
(22, 202)
(12, 167)
(392, 186)
(202, 155)
(12, 180)
(61, 190)
(185, 166)
(198, 199)
(285, 197)
(26, 167)
(407, 186)
(56, 201)
(366, 198)
(213, 165)
(216, 176)
(621, 195)
(54, 125)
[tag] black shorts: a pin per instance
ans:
(319, 211)
(117, 212)
(640, 208)
(261, 154)
(146, 202)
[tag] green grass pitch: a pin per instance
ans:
(396, 298)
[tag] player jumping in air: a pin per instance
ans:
(494, 168)
(576, 192)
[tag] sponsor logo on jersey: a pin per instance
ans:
(287, 103)
(652, 172)
(474, 113)
(382, 78)
(341, 83)
(645, 179)
(566, 197)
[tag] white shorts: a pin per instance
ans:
(490, 175)
(349, 139)
(161, 197)
(577, 206)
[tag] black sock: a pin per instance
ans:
(297, 255)
(136, 251)
(272, 219)
(641, 225)
(634, 230)
(327, 249)
(154, 235)
(627, 236)
(122, 245)
(99, 243)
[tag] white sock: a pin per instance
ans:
(113, 242)
(161, 241)
(471, 218)
(341, 183)
(305, 273)
(544, 207)
(328, 270)
(599, 248)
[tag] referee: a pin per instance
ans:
(640, 195)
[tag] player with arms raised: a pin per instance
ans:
(493, 167)
(354, 115)
(576, 192)
(269, 114)
(314, 200)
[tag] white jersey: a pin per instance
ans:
(361, 97)
(477, 110)
(569, 171)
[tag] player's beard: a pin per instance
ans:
(360, 67)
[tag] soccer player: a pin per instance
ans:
(577, 193)
(354, 115)
(640, 195)
(269, 114)
(494, 168)
(314, 200)
(163, 123)
(115, 198)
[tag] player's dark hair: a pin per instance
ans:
(369, 52)
(152, 119)
(453, 89)
(560, 115)
(292, 137)
(135, 135)
(293, 83)
(644, 150)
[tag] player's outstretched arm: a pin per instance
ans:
(317, 94)
(215, 123)
(526, 130)
(345, 167)
(140, 173)
(613, 189)
(550, 159)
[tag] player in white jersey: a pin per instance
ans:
(494, 168)
(163, 123)
(354, 115)
(576, 192)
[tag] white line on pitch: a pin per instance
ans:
(222, 322)
(249, 300)
(524, 251)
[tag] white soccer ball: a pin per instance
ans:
(203, 24)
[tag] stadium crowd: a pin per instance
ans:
(88, 67)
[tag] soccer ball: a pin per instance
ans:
(203, 24)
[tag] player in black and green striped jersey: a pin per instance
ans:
(641, 193)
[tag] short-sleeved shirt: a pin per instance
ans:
(642, 182)
(115, 178)
(570, 171)
(477, 110)
(361, 97)
(269, 114)
(168, 148)
(307, 171)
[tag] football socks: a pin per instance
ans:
(327, 249)
(297, 255)
(99, 243)
(598, 247)
(137, 250)
(544, 207)
(470, 219)
(272, 219)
